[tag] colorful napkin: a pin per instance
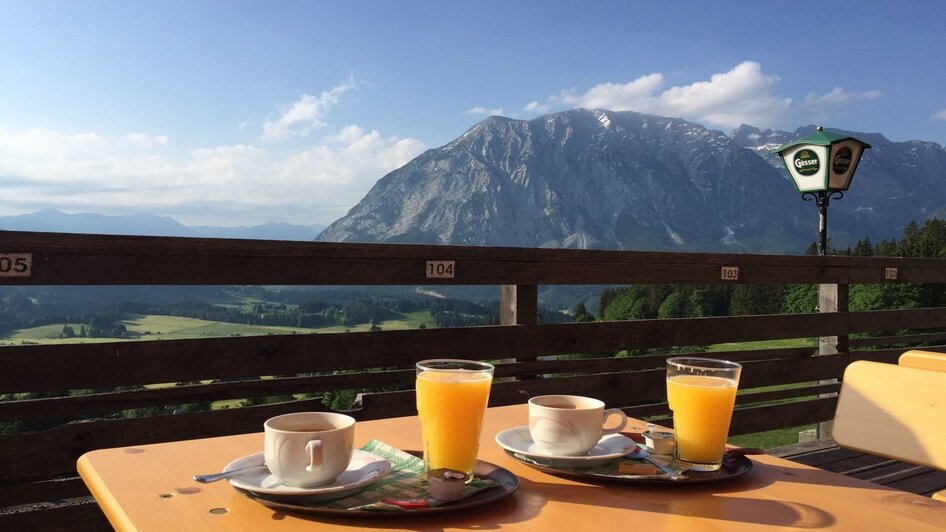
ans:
(609, 469)
(405, 482)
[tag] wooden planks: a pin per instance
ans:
(81, 514)
(53, 452)
(825, 454)
(65, 367)
(107, 403)
(103, 259)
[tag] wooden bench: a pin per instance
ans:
(825, 454)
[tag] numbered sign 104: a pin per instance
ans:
(16, 264)
(441, 269)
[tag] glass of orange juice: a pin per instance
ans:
(701, 393)
(451, 398)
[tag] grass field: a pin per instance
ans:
(764, 344)
(770, 439)
(154, 327)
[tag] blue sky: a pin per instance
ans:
(233, 113)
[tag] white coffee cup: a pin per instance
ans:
(308, 449)
(570, 425)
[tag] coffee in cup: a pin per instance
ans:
(308, 449)
(570, 425)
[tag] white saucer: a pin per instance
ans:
(364, 469)
(612, 446)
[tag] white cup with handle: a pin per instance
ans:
(570, 425)
(308, 449)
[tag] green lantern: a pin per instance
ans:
(822, 161)
(822, 166)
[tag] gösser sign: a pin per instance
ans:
(806, 162)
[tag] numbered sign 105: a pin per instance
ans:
(16, 264)
(440, 269)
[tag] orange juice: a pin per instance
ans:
(451, 406)
(702, 409)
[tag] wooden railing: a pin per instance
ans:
(320, 363)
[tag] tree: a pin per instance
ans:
(581, 314)
(800, 299)
(886, 248)
(932, 239)
(756, 299)
(674, 306)
(863, 248)
(910, 243)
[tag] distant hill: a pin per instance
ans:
(55, 221)
(624, 180)
(59, 222)
(267, 231)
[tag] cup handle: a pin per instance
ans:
(314, 448)
(614, 412)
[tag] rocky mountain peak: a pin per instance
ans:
(579, 178)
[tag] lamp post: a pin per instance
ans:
(822, 166)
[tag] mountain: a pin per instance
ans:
(896, 182)
(267, 231)
(149, 225)
(583, 179)
(59, 222)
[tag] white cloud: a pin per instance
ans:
(485, 111)
(222, 185)
(347, 163)
(939, 115)
(838, 95)
(535, 107)
(141, 140)
(744, 94)
(632, 96)
(305, 115)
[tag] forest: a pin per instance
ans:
(688, 301)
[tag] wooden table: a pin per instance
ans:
(150, 488)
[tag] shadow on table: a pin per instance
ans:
(696, 502)
(529, 501)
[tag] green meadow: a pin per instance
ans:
(155, 327)
(764, 344)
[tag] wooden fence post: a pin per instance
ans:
(518, 305)
(831, 298)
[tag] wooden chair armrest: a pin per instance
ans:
(916, 358)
